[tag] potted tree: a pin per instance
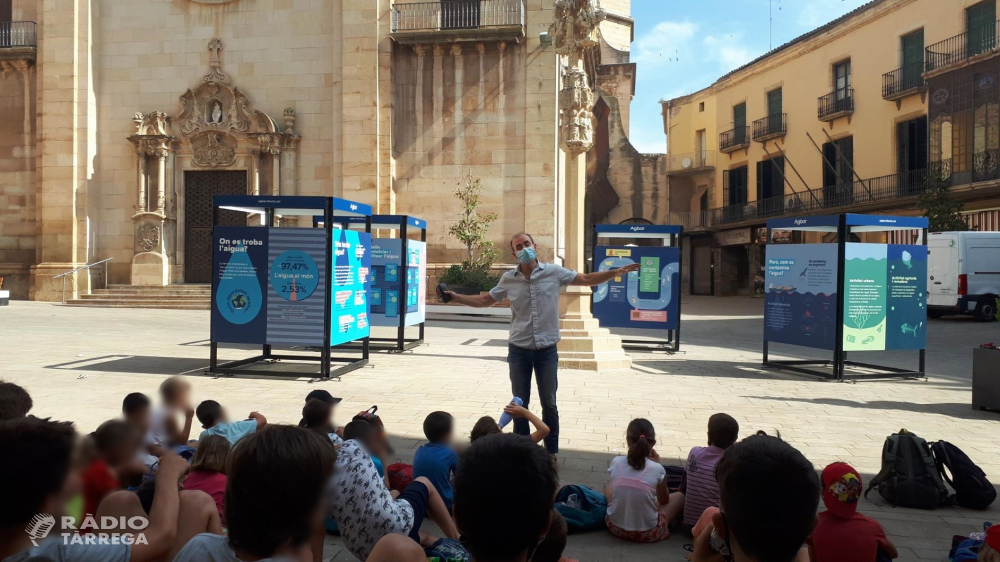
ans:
(986, 375)
(473, 274)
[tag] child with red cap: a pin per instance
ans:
(842, 534)
(990, 552)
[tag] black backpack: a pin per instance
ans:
(972, 489)
(909, 475)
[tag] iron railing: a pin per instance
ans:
(734, 138)
(690, 161)
(457, 14)
(882, 188)
(961, 47)
(18, 34)
(88, 267)
(770, 126)
(903, 79)
(836, 102)
(986, 165)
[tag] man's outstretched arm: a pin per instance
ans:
(597, 277)
(483, 300)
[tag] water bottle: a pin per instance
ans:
(505, 417)
(573, 501)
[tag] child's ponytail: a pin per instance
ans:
(640, 438)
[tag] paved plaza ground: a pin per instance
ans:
(79, 363)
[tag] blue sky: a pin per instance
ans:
(682, 46)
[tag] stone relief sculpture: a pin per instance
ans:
(217, 113)
(575, 31)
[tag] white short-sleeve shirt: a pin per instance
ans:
(633, 494)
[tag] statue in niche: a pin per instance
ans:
(216, 116)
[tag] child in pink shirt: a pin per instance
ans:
(208, 470)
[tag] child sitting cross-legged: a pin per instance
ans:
(842, 534)
(208, 470)
(164, 431)
(363, 507)
(437, 460)
(488, 426)
(702, 490)
(640, 507)
(213, 418)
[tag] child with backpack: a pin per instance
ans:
(842, 534)
(640, 507)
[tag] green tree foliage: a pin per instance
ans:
(472, 230)
(943, 212)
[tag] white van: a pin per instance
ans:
(963, 274)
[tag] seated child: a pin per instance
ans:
(317, 415)
(135, 408)
(702, 491)
(368, 436)
(265, 519)
(842, 534)
(488, 426)
(164, 432)
(437, 460)
(208, 470)
(15, 402)
(505, 488)
(115, 464)
(213, 418)
(362, 505)
(770, 520)
(43, 482)
(322, 396)
(551, 549)
(640, 507)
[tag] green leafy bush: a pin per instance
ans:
(466, 276)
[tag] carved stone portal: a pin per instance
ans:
(217, 128)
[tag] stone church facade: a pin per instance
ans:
(120, 119)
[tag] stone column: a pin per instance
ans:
(140, 178)
(255, 172)
(161, 180)
(585, 345)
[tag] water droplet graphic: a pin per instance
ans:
(239, 296)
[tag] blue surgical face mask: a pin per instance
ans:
(526, 255)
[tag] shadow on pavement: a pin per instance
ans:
(950, 409)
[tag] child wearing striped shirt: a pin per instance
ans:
(702, 489)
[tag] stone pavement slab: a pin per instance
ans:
(78, 364)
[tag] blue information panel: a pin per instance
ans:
(801, 302)
(239, 273)
(645, 299)
(352, 262)
(385, 287)
(885, 300)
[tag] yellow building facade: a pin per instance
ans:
(855, 116)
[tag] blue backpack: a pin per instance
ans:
(584, 509)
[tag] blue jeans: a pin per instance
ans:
(545, 363)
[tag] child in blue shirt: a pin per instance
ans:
(437, 460)
(213, 418)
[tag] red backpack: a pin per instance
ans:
(400, 475)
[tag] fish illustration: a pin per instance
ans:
(906, 328)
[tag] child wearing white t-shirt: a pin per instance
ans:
(640, 507)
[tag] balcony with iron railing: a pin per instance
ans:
(883, 188)
(690, 162)
(18, 40)
(904, 81)
(836, 104)
(770, 127)
(458, 20)
(734, 139)
(974, 43)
